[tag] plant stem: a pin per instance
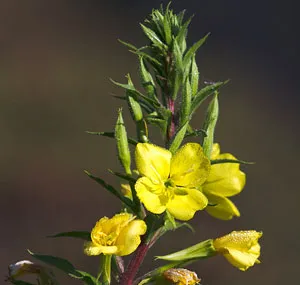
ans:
(134, 265)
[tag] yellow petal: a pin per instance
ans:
(215, 151)
(189, 166)
(243, 260)
(92, 249)
(151, 195)
(129, 238)
(183, 207)
(222, 207)
(225, 179)
(153, 161)
(241, 248)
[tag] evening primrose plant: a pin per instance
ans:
(162, 185)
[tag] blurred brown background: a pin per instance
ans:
(56, 58)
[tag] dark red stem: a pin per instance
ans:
(134, 265)
(172, 126)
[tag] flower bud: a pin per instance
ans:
(181, 276)
(240, 248)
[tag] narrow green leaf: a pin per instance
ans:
(204, 93)
(123, 176)
(111, 135)
(74, 234)
(88, 279)
(147, 80)
(196, 133)
(191, 52)
(185, 110)
(180, 38)
(218, 161)
(167, 29)
(129, 45)
(178, 138)
(152, 36)
(210, 124)
(57, 262)
(148, 57)
(194, 77)
(111, 189)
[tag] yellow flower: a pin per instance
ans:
(170, 182)
(119, 235)
(225, 180)
(240, 248)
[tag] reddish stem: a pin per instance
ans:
(134, 265)
(172, 126)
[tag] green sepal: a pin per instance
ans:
(201, 250)
(218, 161)
(122, 143)
(111, 189)
(74, 234)
(154, 38)
(170, 222)
(205, 92)
(210, 124)
(111, 135)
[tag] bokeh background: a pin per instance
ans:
(56, 58)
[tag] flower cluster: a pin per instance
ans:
(170, 182)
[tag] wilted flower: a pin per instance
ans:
(169, 181)
(119, 235)
(181, 276)
(224, 180)
(240, 248)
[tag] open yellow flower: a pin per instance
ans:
(170, 182)
(225, 180)
(240, 248)
(119, 235)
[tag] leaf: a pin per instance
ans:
(210, 124)
(191, 52)
(74, 234)
(57, 262)
(196, 133)
(123, 176)
(88, 278)
(111, 189)
(185, 110)
(194, 77)
(111, 135)
(217, 161)
(153, 37)
(204, 93)
(178, 138)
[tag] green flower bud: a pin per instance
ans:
(122, 143)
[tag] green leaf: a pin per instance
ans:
(88, 279)
(147, 80)
(123, 176)
(111, 189)
(74, 234)
(185, 110)
(153, 37)
(218, 161)
(180, 38)
(167, 28)
(111, 135)
(178, 138)
(204, 93)
(194, 77)
(191, 52)
(210, 124)
(196, 133)
(129, 45)
(57, 262)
